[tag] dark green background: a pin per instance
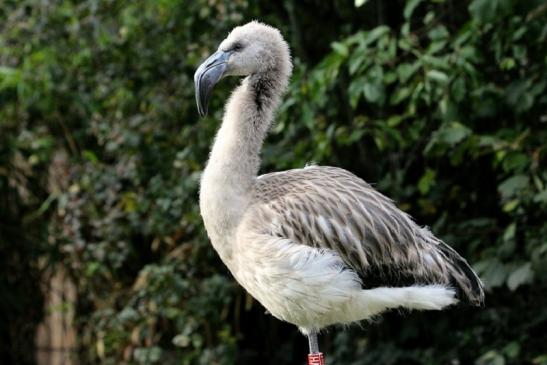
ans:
(440, 103)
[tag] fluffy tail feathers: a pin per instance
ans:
(427, 297)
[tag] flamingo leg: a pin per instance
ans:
(314, 344)
(314, 357)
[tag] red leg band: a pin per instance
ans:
(316, 359)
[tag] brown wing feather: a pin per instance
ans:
(328, 207)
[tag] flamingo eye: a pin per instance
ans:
(237, 47)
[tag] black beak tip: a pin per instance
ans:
(202, 112)
(202, 101)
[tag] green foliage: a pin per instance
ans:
(452, 115)
(440, 103)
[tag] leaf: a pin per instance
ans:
(129, 201)
(409, 8)
(492, 271)
(519, 96)
(394, 120)
(439, 32)
(541, 197)
(9, 77)
(512, 350)
(507, 63)
(522, 275)
(453, 133)
(436, 46)
(426, 181)
(510, 205)
(509, 232)
(355, 90)
(340, 48)
(438, 76)
(90, 156)
(181, 340)
(540, 360)
(492, 357)
(128, 314)
(376, 33)
(356, 60)
(147, 355)
(400, 94)
(516, 162)
(486, 11)
(458, 89)
(406, 70)
(374, 92)
(513, 185)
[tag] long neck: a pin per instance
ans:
(247, 119)
(228, 180)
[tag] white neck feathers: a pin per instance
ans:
(228, 180)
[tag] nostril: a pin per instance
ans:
(215, 58)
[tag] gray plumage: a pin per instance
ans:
(329, 207)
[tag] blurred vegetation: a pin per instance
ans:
(441, 103)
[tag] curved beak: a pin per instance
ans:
(206, 77)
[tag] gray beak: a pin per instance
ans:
(206, 77)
